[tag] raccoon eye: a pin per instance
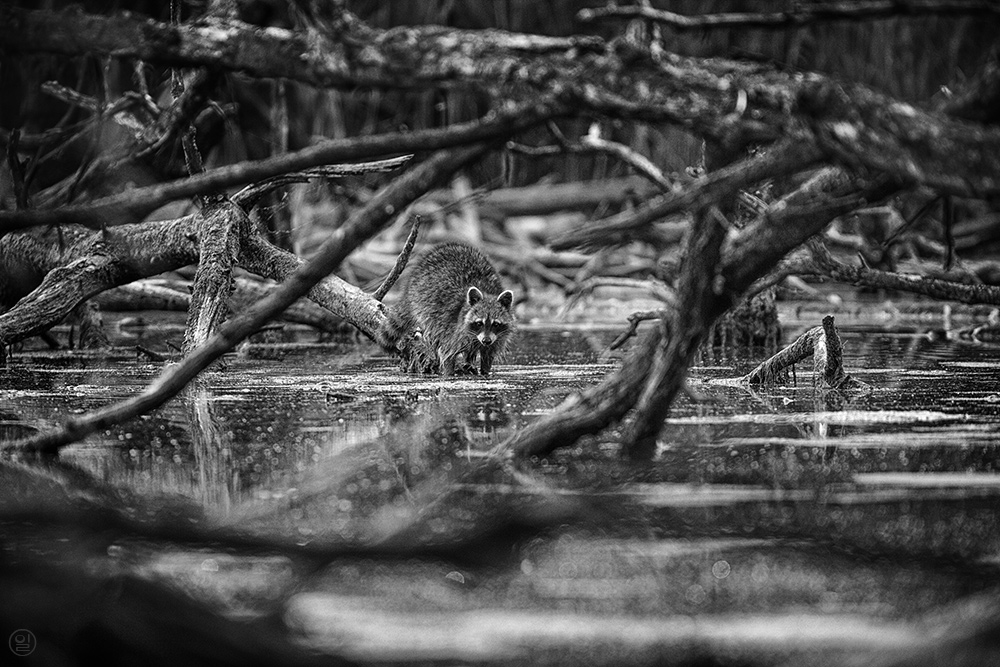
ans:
(476, 326)
(499, 327)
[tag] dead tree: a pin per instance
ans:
(844, 145)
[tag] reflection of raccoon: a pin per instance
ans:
(454, 308)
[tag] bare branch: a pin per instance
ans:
(791, 221)
(132, 206)
(321, 58)
(772, 370)
(700, 299)
(248, 197)
(375, 214)
(97, 264)
(729, 101)
(404, 257)
(745, 257)
(824, 344)
(780, 160)
(17, 170)
(633, 325)
(826, 265)
(801, 14)
(656, 289)
(861, 127)
(593, 143)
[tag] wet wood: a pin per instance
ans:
(378, 213)
(221, 224)
(823, 344)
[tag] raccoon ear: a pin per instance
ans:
(506, 298)
(473, 296)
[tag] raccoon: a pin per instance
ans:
(453, 309)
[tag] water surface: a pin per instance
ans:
(796, 519)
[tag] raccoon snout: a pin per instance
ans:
(487, 339)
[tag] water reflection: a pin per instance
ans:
(769, 502)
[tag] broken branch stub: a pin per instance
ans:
(824, 345)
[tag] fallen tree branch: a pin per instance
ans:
(132, 206)
(249, 196)
(378, 212)
(728, 101)
(656, 289)
(824, 264)
(824, 345)
(547, 198)
(799, 15)
(93, 263)
(682, 330)
(175, 295)
(746, 256)
(782, 159)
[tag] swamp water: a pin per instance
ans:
(318, 482)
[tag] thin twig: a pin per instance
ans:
(404, 257)
(249, 196)
(593, 143)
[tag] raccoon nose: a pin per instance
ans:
(487, 338)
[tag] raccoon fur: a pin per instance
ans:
(453, 310)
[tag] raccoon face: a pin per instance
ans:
(488, 319)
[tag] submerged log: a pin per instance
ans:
(824, 345)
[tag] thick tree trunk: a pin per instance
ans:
(701, 297)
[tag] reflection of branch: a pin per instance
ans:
(802, 14)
